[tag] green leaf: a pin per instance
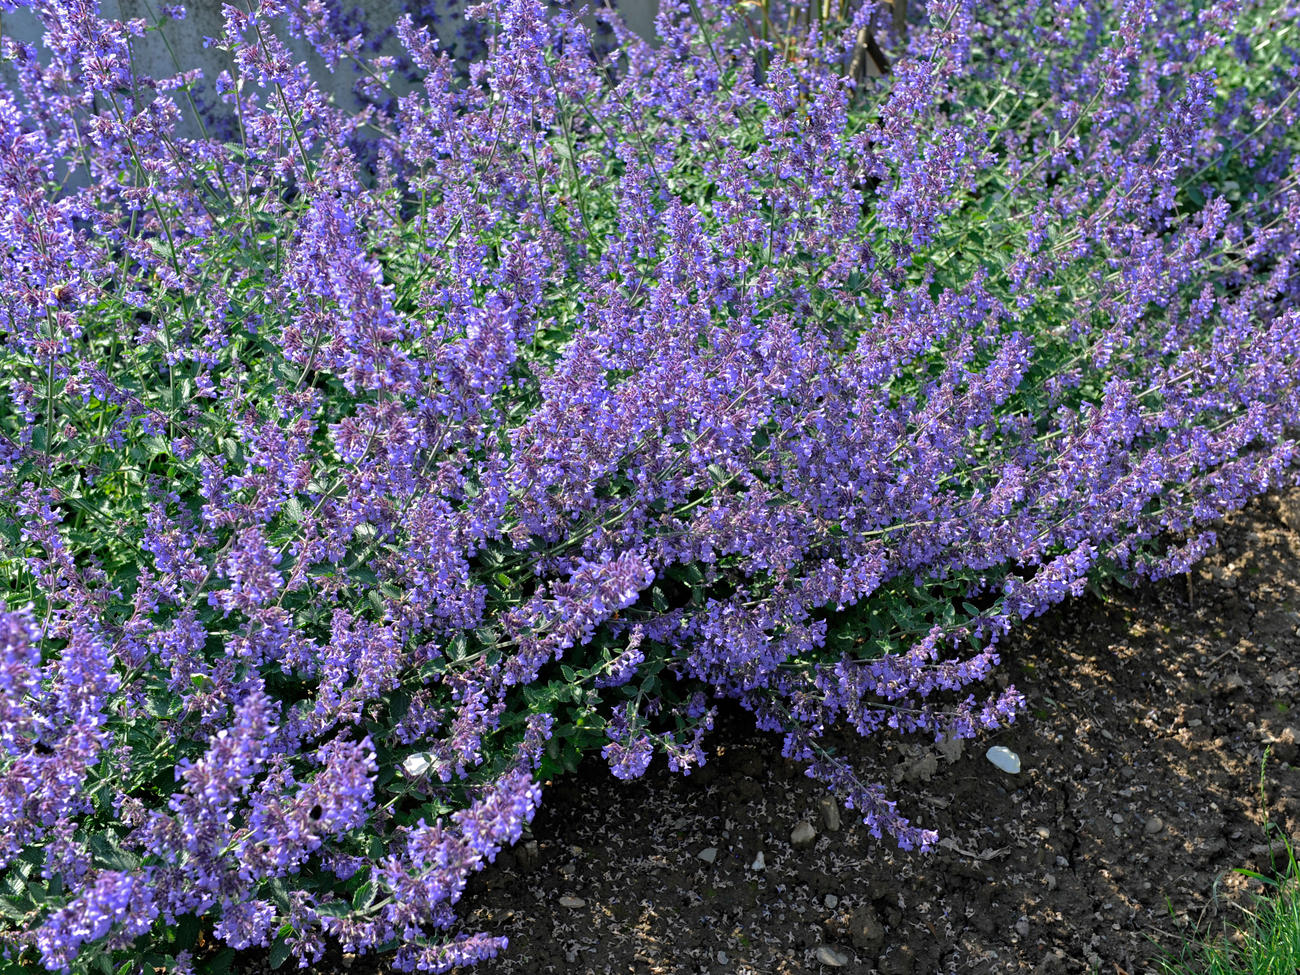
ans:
(554, 693)
(28, 861)
(279, 894)
(9, 907)
(364, 897)
(15, 884)
(570, 757)
(456, 647)
(334, 908)
(163, 703)
(108, 852)
(399, 702)
(185, 934)
(10, 532)
(693, 575)
(279, 952)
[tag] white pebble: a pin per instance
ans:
(803, 836)
(830, 811)
(831, 958)
(1004, 758)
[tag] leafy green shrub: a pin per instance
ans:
(361, 470)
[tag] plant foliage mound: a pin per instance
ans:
(364, 466)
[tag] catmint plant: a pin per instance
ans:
(365, 466)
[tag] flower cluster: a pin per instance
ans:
(362, 468)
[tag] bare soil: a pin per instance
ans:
(1149, 711)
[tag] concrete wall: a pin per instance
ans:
(203, 19)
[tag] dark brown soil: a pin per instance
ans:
(1149, 713)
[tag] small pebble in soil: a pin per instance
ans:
(803, 836)
(1154, 825)
(759, 863)
(1004, 758)
(528, 855)
(722, 957)
(866, 930)
(830, 812)
(708, 854)
(1022, 927)
(831, 901)
(574, 902)
(831, 958)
